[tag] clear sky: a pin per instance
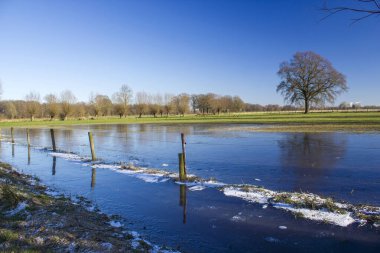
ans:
(194, 46)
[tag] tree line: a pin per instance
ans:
(121, 104)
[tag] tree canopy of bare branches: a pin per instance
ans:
(309, 78)
(362, 8)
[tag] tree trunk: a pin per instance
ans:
(306, 106)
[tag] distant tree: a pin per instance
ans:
(122, 99)
(10, 110)
(237, 104)
(80, 109)
(32, 104)
(100, 105)
(344, 105)
(141, 103)
(363, 9)
(168, 105)
(52, 105)
(194, 102)
(181, 103)
(309, 78)
(67, 100)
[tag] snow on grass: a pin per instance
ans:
(115, 224)
(197, 188)
(20, 207)
(260, 197)
(339, 219)
(67, 156)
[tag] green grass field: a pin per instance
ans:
(326, 121)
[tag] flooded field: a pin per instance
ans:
(226, 211)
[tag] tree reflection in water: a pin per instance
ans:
(310, 157)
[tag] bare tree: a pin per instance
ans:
(141, 103)
(122, 99)
(10, 110)
(181, 103)
(67, 100)
(52, 105)
(309, 78)
(100, 104)
(363, 9)
(32, 104)
(168, 105)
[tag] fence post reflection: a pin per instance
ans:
(183, 200)
(54, 164)
(93, 178)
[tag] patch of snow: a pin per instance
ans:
(197, 188)
(53, 193)
(115, 224)
(67, 156)
(254, 197)
(342, 220)
(20, 207)
(107, 245)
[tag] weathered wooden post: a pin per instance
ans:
(183, 150)
(182, 172)
(92, 146)
(53, 139)
(12, 136)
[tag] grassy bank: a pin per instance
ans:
(33, 221)
(320, 121)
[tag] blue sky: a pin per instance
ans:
(193, 46)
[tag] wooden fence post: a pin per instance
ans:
(53, 139)
(92, 146)
(183, 151)
(182, 172)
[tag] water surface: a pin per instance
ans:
(342, 165)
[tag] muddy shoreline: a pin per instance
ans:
(33, 218)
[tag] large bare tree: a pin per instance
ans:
(308, 79)
(362, 8)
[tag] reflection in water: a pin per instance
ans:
(183, 200)
(13, 150)
(54, 164)
(28, 155)
(311, 156)
(93, 178)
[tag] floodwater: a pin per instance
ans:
(345, 166)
